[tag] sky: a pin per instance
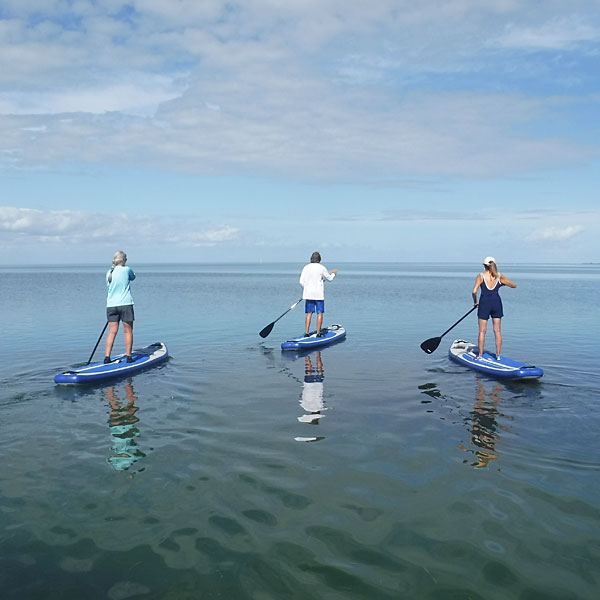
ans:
(262, 130)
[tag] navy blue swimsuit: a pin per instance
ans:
(490, 304)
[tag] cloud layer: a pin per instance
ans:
(324, 91)
(83, 227)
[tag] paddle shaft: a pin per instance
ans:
(265, 332)
(96, 346)
(288, 310)
(430, 345)
(457, 322)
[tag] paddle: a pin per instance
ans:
(267, 330)
(94, 350)
(431, 344)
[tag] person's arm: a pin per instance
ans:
(476, 288)
(507, 282)
(329, 276)
(131, 274)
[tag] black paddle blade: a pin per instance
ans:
(267, 330)
(428, 346)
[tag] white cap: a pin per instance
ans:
(489, 259)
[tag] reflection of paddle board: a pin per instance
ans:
(143, 358)
(466, 353)
(333, 333)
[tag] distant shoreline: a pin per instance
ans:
(469, 264)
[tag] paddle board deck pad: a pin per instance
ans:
(333, 333)
(466, 354)
(118, 367)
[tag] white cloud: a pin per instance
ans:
(83, 227)
(557, 34)
(555, 234)
(135, 94)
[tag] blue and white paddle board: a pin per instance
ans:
(118, 367)
(466, 354)
(333, 333)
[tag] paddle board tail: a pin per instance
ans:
(467, 354)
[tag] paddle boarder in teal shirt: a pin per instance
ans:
(119, 304)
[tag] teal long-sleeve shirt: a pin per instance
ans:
(119, 291)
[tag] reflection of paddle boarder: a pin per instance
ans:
(311, 399)
(122, 421)
(312, 391)
(484, 426)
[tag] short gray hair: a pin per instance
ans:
(119, 258)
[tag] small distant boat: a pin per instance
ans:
(118, 367)
(333, 333)
(466, 354)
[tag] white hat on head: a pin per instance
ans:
(489, 259)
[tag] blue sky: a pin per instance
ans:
(262, 130)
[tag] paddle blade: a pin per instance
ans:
(267, 330)
(429, 346)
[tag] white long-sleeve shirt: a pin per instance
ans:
(312, 278)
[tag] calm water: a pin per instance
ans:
(368, 470)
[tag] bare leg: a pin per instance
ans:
(128, 331)
(113, 328)
(481, 338)
(307, 324)
(498, 335)
(319, 322)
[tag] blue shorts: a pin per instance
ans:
(311, 306)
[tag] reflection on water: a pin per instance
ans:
(483, 424)
(482, 421)
(311, 399)
(312, 396)
(431, 390)
(122, 421)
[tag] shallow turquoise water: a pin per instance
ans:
(368, 470)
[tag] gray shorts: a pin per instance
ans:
(115, 314)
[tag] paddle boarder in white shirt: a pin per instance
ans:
(312, 280)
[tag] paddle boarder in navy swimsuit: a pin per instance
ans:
(490, 303)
